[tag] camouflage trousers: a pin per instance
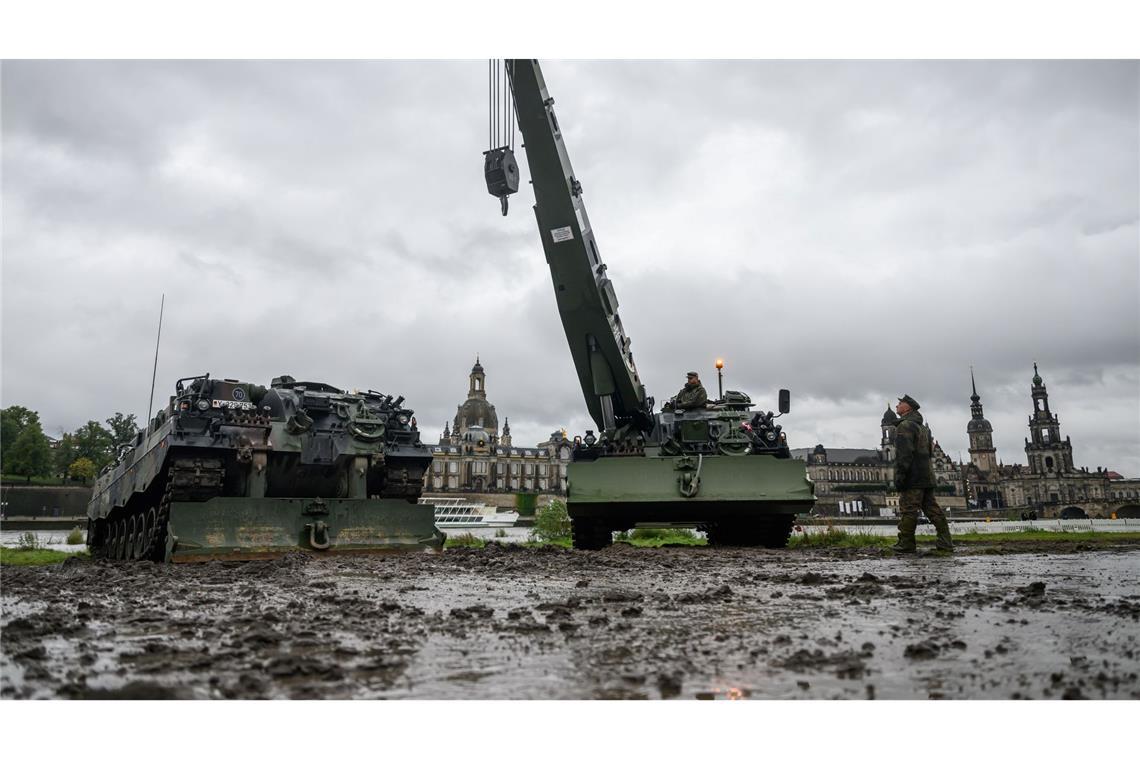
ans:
(914, 499)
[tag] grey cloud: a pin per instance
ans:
(806, 220)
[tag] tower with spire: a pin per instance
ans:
(1046, 451)
(889, 424)
(476, 411)
(983, 455)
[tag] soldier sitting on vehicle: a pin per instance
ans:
(691, 396)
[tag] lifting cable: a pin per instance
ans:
(501, 110)
(500, 169)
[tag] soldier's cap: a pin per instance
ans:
(909, 401)
(691, 374)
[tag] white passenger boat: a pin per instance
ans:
(460, 513)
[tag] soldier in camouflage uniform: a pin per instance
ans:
(914, 479)
(692, 394)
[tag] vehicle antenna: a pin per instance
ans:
(154, 374)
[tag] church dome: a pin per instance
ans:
(476, 412)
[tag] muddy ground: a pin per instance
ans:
(1050, 621)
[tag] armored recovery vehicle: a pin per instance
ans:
(723, 469)
(233, 470)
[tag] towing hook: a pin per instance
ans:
(689, 484)
(319, 535)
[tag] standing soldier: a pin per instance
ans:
(692, 394)
(914, 479)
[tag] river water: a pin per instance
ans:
(51, 539)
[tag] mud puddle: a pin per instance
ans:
(515, 622)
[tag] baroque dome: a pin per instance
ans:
(476, 412)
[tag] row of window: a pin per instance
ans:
(529, 484)
(501, 468)
(848, 476)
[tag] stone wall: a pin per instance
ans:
(44, 501)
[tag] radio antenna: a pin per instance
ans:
(154, 374)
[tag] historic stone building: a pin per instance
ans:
(1049, 484)
(860, 482)
(471, 456)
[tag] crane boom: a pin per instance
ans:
(584, 292)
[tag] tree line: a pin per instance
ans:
(78, 456)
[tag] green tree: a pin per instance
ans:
(30, 454)
(65, 453)
(13, 420)
(82, 469)
(551, 522)
(123, 430)
(94, 442)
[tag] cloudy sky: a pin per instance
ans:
(849, 230)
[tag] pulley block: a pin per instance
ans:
(501, 171)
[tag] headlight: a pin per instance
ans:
(203, 405)
(402, 419)
(770, 436)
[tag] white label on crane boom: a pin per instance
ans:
(562, 234)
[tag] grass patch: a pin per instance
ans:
(75, 537)
(836, 537)
(654, 537)
(562, 543)
(464, 540)
(24, 557)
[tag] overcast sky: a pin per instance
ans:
(851, 231)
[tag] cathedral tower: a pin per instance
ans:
(1046, 452)
(983, 455)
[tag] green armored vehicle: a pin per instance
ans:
(720, 468)
(232, 470)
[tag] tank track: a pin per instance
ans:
(141, 534)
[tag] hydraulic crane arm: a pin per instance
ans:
(584, 293)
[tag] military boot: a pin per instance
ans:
(905, 544)
(942, 528)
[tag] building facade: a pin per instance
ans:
(860, 482)
(1049, 484)
(472, 457)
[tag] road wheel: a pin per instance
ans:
(109, 539)
(116, 529)
(140, 537)
(150, 521)
(124, 551)
(132, 538)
